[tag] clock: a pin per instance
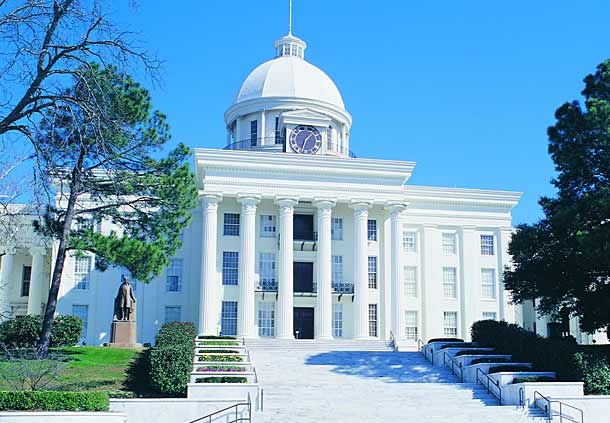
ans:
(305, 139)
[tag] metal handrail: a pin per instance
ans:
(236, 406)
(392, 340)
(453, 362)
(259, 143)
(420, 346)
(522, 397)
(494, 383)
(549, 410)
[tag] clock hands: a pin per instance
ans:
(307, 139)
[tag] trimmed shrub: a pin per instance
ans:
(217, 368)
(457, 345)
(489, 360)
(24, 331)
(53, 401)
(171, 360)
(215, 337)
(221, 358)
(470, 352)
(221, 379)
(532, 379)
(560, 356)
(218, 351)
(445, 340)
(212, 343)
(510, 368)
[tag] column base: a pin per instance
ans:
(284, 337)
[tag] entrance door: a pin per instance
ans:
(303, 322)
(302, 273)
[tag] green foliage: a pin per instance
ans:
(218, 343)
(221, 379)
(171, 361)
(220, 368)
(523, 379)
(53, 401)
(218, 351)
(445, 340)
(25, 330)
(559, 356)
(471, 352)
(490, 360)
(509, 368)
(563, 261)
(221, 358)
(215, 337)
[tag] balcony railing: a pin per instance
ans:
(279, 144)
(342, 287)
(267, 286)
(336, 287)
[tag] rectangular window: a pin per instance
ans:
(173, 281)
(337, 320)
(449, 243)
(337, 270)
(278, 133)
(336, 228)
(373, 272)
(253, 132)
(231, 224)
(84, 223)
(26, 277)
(372, 230)
(230, 267)
(268, 226)
(173, 314)
(410, 286)
(409, 242)
(372, 319)
(228, 322)
(450, 324)
(489, 315)
(82, 311)
(329, 139)
(411, 325)
(488, 283)
(266, 271)
(487, 245)
(266, 318)
(449, 282)
(82, 272)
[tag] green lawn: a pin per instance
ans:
(92, 369)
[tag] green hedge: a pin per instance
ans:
(555, 355)
(53, 401)
(213, 343)
(532, 379)
(509, 368)
(445, 340)
(221, 379)
(490, 360)
(171, 360)
(215, 337)
(24, 331)
(222, 358)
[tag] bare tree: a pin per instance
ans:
(43, 44)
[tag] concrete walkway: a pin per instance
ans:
(368, 386)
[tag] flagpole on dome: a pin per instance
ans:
(290, 17)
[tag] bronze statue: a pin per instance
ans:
(125, 301)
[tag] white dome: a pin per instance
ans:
(290, 76)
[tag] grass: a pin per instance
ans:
(92, 369)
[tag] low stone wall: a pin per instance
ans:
(595, 408)
(62, 417)
(234, 392)
(510, 393)
(451, 352)
(466, 360)
(165, 410)
(505, 378)
(470, 372)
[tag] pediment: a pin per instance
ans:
(305, 117)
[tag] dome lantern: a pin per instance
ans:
(290, 45)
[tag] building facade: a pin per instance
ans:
(297, 237)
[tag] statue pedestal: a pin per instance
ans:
(123, 334)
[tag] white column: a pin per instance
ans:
(470, 275)
(398, 308)
(361, 283)
(508, 311)
(228, 135)
(6, 282)
(36, 280)
(210, 287)
(323, 320)
(284, 317)
(262, 128)
(247, 263)
(432, 277)
(238, 136)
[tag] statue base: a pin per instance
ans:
(124, 334)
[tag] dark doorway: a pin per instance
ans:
(303, 227)
(302, 273)
(303, 322)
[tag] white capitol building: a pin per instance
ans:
(295, 236)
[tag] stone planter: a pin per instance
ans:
(61, 417)
(470, 372)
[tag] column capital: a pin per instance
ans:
(38, 250)
(360, 205)
(210, 198)
(324, 204)
(248, 202)
(284, 202)
(396, 208)
(9, 251)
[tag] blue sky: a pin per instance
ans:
(465, 89)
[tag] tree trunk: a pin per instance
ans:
(42, 347)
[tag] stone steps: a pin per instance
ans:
(282, 345)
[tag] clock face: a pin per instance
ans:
(305, 139)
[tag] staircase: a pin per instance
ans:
(343, 381)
